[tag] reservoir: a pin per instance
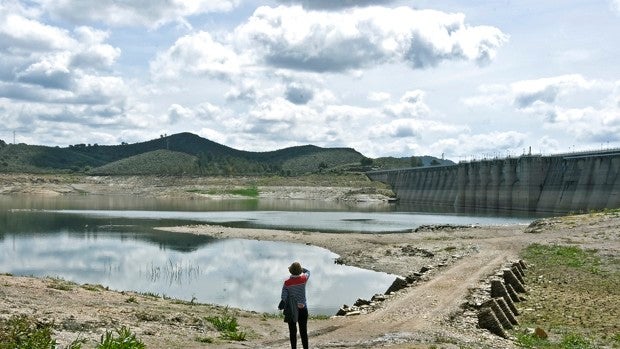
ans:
(111, 240)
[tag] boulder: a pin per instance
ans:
(397, 285)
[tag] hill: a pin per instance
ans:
(183, 153)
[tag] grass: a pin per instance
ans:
(124, 339)
(22, 332)
(574, 295)
(251, 191)
(228, 326)
(60, 284)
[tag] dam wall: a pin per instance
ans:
(559, 183)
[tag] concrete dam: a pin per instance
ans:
(558, 183)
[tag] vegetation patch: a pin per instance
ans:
(60, 284)
(123, 339)
(228, 326)
(574, 295)
(22, 332)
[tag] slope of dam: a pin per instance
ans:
(558, 183)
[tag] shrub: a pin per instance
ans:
(124, 340)
(228, 326)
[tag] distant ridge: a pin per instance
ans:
(183, 153)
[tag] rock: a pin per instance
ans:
(412, 278)
(415, 251)
(540, 333)
(378, 298)
(342, 311)
(426, 268)
(353, 313)
(361, 302)
(397, 285)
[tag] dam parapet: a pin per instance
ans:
(557, 183)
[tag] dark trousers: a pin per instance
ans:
(303, 329)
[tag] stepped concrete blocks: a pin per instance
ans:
(513, 294)
(512, 280)
(499, 290)
(507, 311)
(488, 321)
(518, 274)
(499, 313)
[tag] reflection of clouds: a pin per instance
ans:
(239, 273)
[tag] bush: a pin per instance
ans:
(22, 332)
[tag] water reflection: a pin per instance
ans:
(239, 273)
(110, 240)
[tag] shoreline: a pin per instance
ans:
(461, 260)
(433, 312)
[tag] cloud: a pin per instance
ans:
(335, 4)
(146, 13)
(546, 90)
(22, 36)
(492, 144)
(615, 6)
(379, 96)
(299, 94)
(584, 109)
(293, 38)
(197, 54)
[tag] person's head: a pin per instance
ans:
(295, 269)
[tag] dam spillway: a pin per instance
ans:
(557, 183)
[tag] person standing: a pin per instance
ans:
(293, 302)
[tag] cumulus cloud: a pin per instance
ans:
(559, 103)
(335, 4)
(21, 35)
(492, 144)
(133, 13)
(293, 38)
(546, 90)
(58, 79)
(197, 54)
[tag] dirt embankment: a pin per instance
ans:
(352, 187)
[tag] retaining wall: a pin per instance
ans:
(560, 183)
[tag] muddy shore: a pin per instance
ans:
(431, 313)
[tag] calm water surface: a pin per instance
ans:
(111, 241)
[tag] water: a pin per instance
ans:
(111, 241)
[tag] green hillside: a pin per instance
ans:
(157, 162)
(187, 153)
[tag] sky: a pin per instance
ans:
(455, 79)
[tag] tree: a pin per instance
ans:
(435, 162)
(2, 143)
(366, 161)
(416, 162)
